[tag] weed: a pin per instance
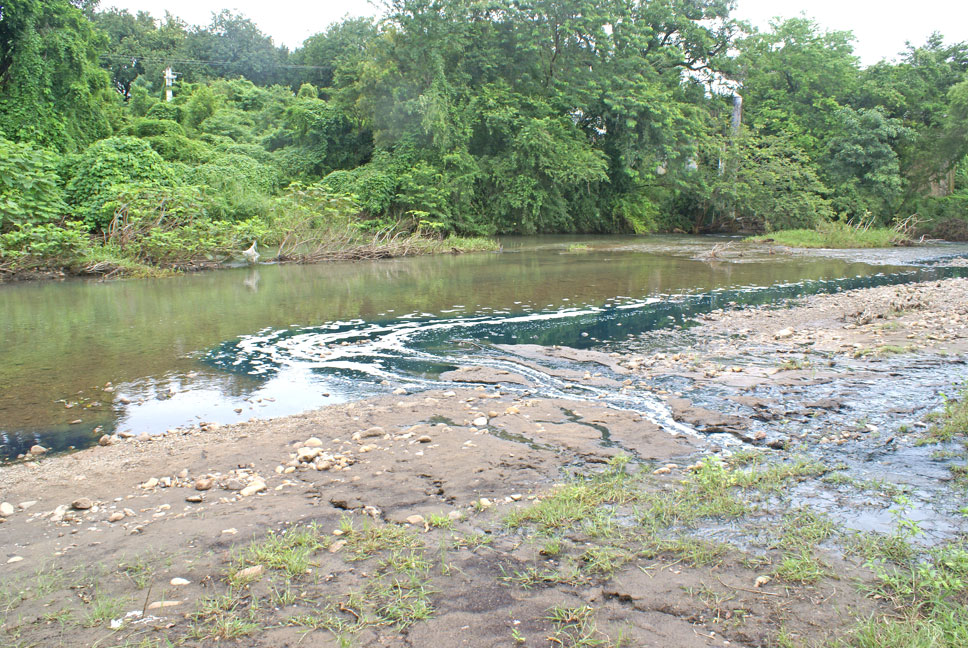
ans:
(104, 608)
(371, 538)
(800, 567)
(574, 627)
(288, 551)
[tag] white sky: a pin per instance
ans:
(880, 26)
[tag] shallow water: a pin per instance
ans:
(274, 340)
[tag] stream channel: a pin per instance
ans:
(81, 358)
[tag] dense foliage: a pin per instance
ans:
(460, 117)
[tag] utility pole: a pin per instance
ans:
(169, 80)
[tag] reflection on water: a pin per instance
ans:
(147, 355)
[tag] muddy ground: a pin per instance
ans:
(486, 517)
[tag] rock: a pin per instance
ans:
(14, 559)
(761, 581)
(424, 439)
(516, 497)
(783, 334)
(253, 488)
(82, 504)
(372, 432)
(399, 391)
(233, 485)
(151, 483)
(124, 400)
(485, 503)
(38, 450)
(313, 442)
(26, 505)
(204, 483)
(250, 573)
(336, 546)
(179, 582)
(157, 605)
(117, 516)
(455, 515)
(183, 473)
(105, 440)
(306, 455)
(480, 421)
(415, 519)
(6, 509)
(194, 499)
(662, 471)
(512, 410)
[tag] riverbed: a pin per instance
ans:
(84, 358)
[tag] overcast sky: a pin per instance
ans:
(880, 26)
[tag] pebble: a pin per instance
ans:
(424, 439)
(415, 519)
(82, 504)
(105, 440)
(38, 450)
(6, 509)
(485, 503)
(372, 432)
(761, 581)
(117, 516)
(399, 391)
(194, 499)
(480, 421)
(313, 442)
(234, 485)
(204, 483)
(157, 605)
(14, 559)
(783, 334)
(251, 572)
(178, 582)
(183, 473)
(151, 483)
(26, 505)
(253, 488)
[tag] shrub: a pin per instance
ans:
(30, 192)
(104, 167)
(48, 244)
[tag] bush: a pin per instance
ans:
(47, 245)
(30, 191)
(102, 171)
(146, 127)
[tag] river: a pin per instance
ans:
(80, 358)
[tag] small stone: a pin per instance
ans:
(485, 503)
(761, 581)
(124, 400)
(194, 499)
(151, 483)
(415, 519)
(372, 432)
(307, 454)
(336, 546)
(157, 605)
(238, 410)
(38, 450)
(250, 573)
(6, 509)
(783, 334)
(183, 473)
(480, 421)
(26, 505)
(313, 442)
(455, 515)
(253, 488)
(117, 516)
(105, 440)
(14, 559)
(512, 410)
(399, 391)
(424, 439)
(82, 504)
(233, 485)
(662, 471)
(204, 483)
(179, 582)
(368, 448)
(516, 497)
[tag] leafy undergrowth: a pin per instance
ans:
(837, 236)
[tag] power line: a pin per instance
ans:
(175, 61)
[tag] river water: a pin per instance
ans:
(80, 358)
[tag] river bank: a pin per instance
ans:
(487, 517)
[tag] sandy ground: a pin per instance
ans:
(92, 536)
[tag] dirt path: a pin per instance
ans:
(478, 517)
